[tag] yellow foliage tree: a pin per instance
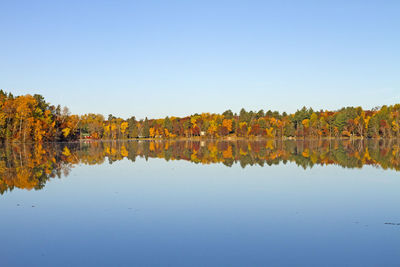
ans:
(123, 127)
(227, 124)
(152, 132)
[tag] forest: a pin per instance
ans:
(30, 118)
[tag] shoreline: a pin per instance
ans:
(241, 139)
(198, 138)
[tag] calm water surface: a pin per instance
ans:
(260, 203)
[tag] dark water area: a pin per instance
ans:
(201, 203)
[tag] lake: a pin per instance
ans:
(201, 203)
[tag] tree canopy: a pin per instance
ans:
(31, 119)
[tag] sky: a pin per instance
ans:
(159, 58)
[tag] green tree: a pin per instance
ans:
(167, 124)
(146, 128)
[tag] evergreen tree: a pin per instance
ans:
(146, 128)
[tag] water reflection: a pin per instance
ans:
(31, 166)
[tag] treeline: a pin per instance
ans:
(30, 118)
(30, 166)
(348, 122)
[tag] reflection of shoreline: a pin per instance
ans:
(30, 166)
(236, 138)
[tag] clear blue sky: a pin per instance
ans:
(158, 58)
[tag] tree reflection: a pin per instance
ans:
(29, 167)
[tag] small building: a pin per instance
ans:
(86, 136)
